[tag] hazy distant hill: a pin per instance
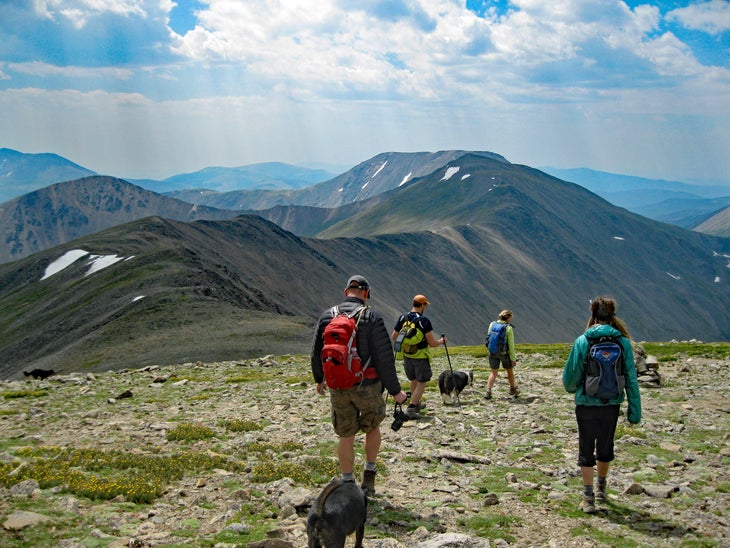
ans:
(680, 204)
(62, 212)
(267, 176)
(475, 237)
(22, 173)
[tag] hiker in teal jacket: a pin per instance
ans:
(597, 419)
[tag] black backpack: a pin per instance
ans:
(604, 368)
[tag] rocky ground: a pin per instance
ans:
(482, 473)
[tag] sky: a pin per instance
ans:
(155, 88)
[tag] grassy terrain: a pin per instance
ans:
(122, 461)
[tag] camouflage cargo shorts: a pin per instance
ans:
(360, 408)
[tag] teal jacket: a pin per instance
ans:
(573, 373)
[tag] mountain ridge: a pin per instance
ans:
(224, 289)
(65, 211)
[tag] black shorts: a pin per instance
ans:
(417, 369)
(596, 428)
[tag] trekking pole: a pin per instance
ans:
(448, 359)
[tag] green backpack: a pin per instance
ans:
(410, 338)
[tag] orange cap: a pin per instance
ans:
(420, 299)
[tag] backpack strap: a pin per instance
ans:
(360, 311)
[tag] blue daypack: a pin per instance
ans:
(604, 367)
(497, 338)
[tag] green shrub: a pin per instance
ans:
(190, 432)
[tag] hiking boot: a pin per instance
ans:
(412, 412)
(601, 493)
(489, 395)
(588, 504)
(514, 391)
(368, 482)
(420, 405)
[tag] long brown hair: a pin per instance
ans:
(603, 310)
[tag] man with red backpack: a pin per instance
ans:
(369, 355)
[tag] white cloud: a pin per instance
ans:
(712, 17)
(44, 70)
(78, 12)
(566, 82)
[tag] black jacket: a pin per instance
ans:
(373, 342)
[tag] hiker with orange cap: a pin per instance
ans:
(413, 335)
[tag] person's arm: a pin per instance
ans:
(398, 326)
(381, 354)
(433, 341)
(511, 345)
(573, 370)
(633, 411)
(315, 357)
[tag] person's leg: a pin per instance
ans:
(586, 473)
(417, 390)
(513, 390)
(372, 448)
(587, 430)
(372, 445)
(346, 454)
(602, 473)
(492, 378)
(604, 446)
(369, 401)
(410, 370)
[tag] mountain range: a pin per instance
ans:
(476, 234)
(681, 204)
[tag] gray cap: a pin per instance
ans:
(357, 282)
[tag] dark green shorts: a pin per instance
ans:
(360, 408)
(495, 360)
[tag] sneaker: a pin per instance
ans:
(588, 504)
(420, 405)
(514, 391)
(489, 395)
(368, 482)
(412, 412)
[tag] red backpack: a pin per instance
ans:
(341, 363)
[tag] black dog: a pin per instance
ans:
(451, 383)
(340, 509)
(39, 373)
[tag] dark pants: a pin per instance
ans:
(596, 428)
